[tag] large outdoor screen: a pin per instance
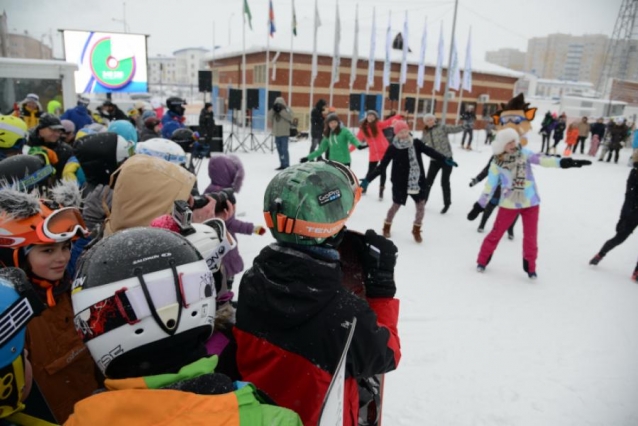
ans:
(107, 62)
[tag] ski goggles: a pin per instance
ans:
(62, 225)
(514, 119)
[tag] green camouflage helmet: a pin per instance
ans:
(309, 203)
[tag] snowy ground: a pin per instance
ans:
(497, 348)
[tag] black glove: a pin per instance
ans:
(303, 160)
(363, 146)
(378, 264)
(473, 182)
(476, 210)
(567, 163)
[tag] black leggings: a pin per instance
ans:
(433, 170)
(488, 212)
(373, 165)
(624, 229)
(470, 133)
(580, 141)
(616, 152)
(556, 142)
(545, 139)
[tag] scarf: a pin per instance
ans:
(516, 163)
(413, 176)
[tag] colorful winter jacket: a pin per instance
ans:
(437, 138)
(73, 171)
(183, 398)
(377, 144)
(292, 324)
(171, 122)
(503, 177)
(338, 146)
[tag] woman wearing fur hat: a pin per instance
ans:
(37, 237)
(371, 131)
(628, 220)
(337, 139)
(408, 176)
(512, 170)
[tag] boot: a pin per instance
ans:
(386, 229)
(596, 259)
(416, 231)
(381, 189)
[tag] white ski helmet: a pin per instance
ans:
(212, 241)
(162, 148)
(143, 300)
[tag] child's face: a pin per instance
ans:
(333, 124)
(403, 134)
(49, 261)
(510, 147)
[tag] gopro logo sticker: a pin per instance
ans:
(329, 197)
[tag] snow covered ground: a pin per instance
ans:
(497, 348)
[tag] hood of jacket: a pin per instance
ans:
(144, 188)
(281, 101)
(279, 287)
(225, 171)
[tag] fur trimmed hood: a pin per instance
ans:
(16, 204)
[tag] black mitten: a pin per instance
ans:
(379, 261)
(568, 162)
(363, 146)
(476, 210)
(303, 160)
(473, 182)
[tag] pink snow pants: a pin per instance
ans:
(504, 219)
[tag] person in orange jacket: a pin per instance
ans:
(572, 138)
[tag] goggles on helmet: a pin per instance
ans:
(514, 119)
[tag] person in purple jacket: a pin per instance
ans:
(227, 172)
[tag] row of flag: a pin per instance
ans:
(454, 81)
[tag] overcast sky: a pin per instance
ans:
(177, 24)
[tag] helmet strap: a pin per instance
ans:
(165, 326)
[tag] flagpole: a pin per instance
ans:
(416, 109)
(212, 69)
(458, 107)
(314, 58)
(335, 64)
(292, 37)
(267, 70)
(449, 66)
(243, 65)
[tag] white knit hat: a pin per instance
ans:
(503, 137)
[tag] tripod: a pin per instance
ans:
(254, 143)
(263, 143)
(228, 143)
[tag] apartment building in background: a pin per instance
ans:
(14, 45)
(513, 59)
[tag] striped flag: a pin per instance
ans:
(248, 14)
(421, 71)
(439, 62)
(373, 38)
(315, 70)
(404, 59)
(388, 51)
(355, 51)
(467, 72)
(294, 19)
(336, 58)
(271, 20)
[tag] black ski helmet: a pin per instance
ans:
(176, 105)
(51, 121)
(184, 137)
(29, 171)
(139, 293)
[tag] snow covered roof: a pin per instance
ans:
(256, 41)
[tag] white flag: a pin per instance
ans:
(439, 62)
(274, 66)
(467, 72)
(336, 60)
(315, 70)
(421, 71)
(404, 59)
(355, 51)
(388, 51)
(373, 39)
(454, 76)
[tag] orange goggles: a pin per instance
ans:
(62, 225)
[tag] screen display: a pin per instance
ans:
(107, 62)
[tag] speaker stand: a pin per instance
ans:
(228, 143)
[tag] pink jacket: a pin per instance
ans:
(377, 144)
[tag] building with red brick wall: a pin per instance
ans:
(490, 88)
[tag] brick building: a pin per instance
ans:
(227, 73)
